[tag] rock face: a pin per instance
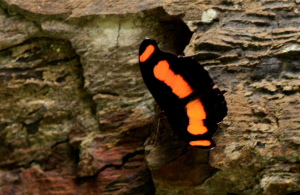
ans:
(76, 118)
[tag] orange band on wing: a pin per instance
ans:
(200, 143)
(177, 83)
(196, 114)
(147, 53)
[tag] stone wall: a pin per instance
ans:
(76, 117)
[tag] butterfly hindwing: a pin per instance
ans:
(184, 90)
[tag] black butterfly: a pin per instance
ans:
(184, 90)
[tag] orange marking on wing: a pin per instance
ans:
(200, 143)
(177, 83)
(147, 53)
(196, 114)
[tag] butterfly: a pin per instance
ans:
(184, 90)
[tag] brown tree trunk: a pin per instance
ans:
(76, 118)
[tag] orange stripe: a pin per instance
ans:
(196, 114)
(177, 83)
(147, 53)
(200, 143)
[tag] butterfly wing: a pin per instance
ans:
(184, 90)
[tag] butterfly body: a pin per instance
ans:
(184, 90)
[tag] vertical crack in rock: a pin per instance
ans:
(87, 97)
(119, 31)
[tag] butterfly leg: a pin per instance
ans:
(159, 126)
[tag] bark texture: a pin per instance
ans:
(76, 118)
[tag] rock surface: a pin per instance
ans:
(76, 118)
